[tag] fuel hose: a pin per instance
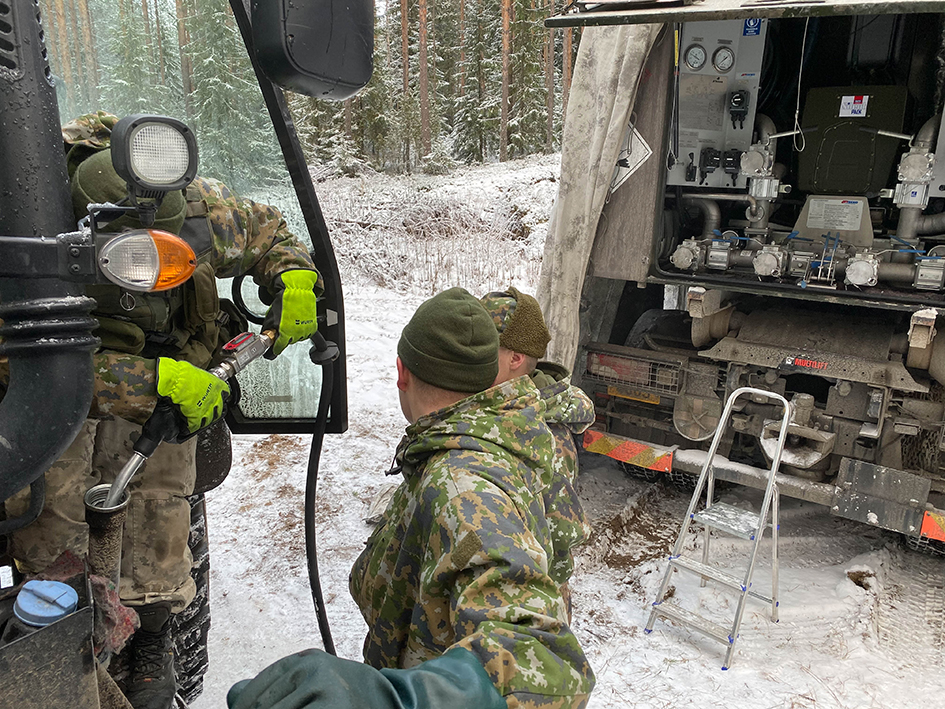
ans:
(322, 353)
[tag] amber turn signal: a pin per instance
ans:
(147, 260)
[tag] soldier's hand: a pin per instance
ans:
(292, 313)
(313, 679)
(197, 397)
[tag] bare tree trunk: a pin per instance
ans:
(146, 14)
(390, 56)
(186, 69)
(160, 43)
(481, 74)
(51, 31)
(90, 56)
(405, 58)
(433, 79)
(566, 87)
(424, 82)
(549, 57)
(347, 116)
(462, 48)
(61, 42)
(73, 42)
(506, 61)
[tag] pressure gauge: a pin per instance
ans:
(723, 59)
(696, 56)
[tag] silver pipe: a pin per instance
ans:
(931, 223)
(767, 129)
(911, 221)
(908, 226)
(711, 214)
(925, 138)
(726, 197)
(896, 272)
(754, 213)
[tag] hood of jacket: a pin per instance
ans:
(565, 405)
(506, 421)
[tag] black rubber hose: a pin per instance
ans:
(37, 500)
(321, 418)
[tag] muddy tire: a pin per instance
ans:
(192, 626)
(635, 471)
(922, 545)
(682, 481)
(669, 328)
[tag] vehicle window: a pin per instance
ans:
(185, 59)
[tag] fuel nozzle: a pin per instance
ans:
(163, 424)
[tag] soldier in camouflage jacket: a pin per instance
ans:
(175, 335)
(246, 238)
(523, 338)
(455, 582)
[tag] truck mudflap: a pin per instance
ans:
(933, 526)
(626, 450)
(873, 494)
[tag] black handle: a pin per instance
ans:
(322, 350)
(161, 426)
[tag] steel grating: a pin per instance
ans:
(637, 372)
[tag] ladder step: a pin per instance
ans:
(715, 574)
(694, 621)
(730, 519)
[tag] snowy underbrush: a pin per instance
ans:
(481, 228)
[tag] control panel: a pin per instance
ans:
(719, 74)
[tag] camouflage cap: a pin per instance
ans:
(86, 135)
(519, 322)
(95, 180)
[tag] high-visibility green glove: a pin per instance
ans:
(198, 397)
(313, 679)
(292, 313)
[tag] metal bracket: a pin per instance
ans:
(880, 496)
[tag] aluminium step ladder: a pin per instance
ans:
(731, 520)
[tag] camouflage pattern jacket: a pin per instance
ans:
(461, 556)
(246, 238)
(568, 411)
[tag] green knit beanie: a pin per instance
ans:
(451, 343)
(95, 180)
(519, 322)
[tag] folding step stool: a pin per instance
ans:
(745, 524)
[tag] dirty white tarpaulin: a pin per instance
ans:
(606, 75)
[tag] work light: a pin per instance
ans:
(153, 154)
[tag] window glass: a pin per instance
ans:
(185, 59)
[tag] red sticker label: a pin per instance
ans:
(804, 363)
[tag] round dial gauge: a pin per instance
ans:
(696, 56)
(723, 59)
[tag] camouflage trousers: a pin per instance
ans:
(155, 560)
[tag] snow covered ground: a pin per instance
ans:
(843, 640)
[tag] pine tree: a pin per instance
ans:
(506, 79)
(527, 107)
(229, 115)
(475, 132)
(376, 127)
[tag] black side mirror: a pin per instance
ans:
(321, 48)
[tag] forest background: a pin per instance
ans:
(455, 81)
